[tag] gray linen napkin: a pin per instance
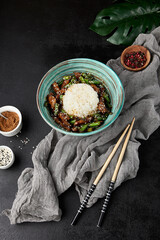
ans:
(61, 160)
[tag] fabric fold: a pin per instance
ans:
(61, 160)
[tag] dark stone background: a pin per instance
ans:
(34, 36)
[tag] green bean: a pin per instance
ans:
(71, 116)
(90, 129)
(68, 85)
(60, 82)
(104, 117)
(63, 111)
(94, 124)
(100, 117)
(83, 74)
(97, 115)
(106, 97)
(86, 80)
(67, 77)
(83, 127)
(56, 109)
(96, 82)
(73, 121)
(61, 97)
(89, 75)
(73, 80)
(81, 79)
(74, 77)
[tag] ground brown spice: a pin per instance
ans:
(10, 123)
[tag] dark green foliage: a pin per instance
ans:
(124, 21)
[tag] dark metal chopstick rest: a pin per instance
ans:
(105, 203)
(84, 203)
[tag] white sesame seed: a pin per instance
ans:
(5, 156)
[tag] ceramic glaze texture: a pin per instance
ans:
(99, 70)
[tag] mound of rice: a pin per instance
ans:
(80, 100)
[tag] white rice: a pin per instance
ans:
(80, 100)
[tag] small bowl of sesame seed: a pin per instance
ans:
(6, 157)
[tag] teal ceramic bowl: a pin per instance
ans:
(100, 71)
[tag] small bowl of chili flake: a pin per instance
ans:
(135, 58)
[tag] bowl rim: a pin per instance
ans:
(101, 128)
(12, 160)
(20, 118)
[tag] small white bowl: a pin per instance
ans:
(19, 126)
(12, 157)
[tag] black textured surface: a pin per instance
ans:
(34, 36)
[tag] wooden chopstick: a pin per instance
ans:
(110, 156)
(112, 182)
(93, 186)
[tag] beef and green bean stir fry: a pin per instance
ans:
(71, 122)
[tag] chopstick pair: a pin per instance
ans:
(113, 179)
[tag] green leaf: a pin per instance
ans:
(124, 21)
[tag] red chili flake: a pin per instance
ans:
(135, 59)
